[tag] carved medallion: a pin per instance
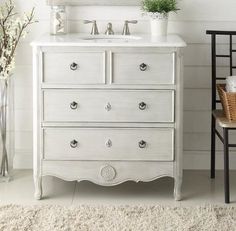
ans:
(108, 173)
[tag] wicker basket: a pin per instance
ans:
(228, 101)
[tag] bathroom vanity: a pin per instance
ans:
(108, 109)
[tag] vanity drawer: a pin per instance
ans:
(143, 68)
(74, 68)
(108, 106)
(109, 144)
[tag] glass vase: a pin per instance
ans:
(7, 146)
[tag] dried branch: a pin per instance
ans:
(12, 30)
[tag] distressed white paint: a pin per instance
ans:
(111, 155)
(109, 144)
(124, 106)
(191, 23)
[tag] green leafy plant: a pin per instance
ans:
(160, 6)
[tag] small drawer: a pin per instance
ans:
(74, 68)
(109, 144)
(143, 68)
(108, 106)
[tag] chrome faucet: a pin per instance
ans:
(126, 26)
(94, 30)
(109, 30)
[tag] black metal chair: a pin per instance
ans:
(218, 116)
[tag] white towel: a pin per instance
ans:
(231, 84)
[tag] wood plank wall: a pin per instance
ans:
(195, 17)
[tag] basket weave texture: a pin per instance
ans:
(228, 101)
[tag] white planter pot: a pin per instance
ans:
(159, 24)
(159, 27)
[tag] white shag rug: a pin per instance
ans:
(118, 218)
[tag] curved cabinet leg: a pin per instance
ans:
(38, 187)
(177, 189)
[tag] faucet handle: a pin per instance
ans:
(131, 21)
(88, 21)
(126, 26)
(94, 30)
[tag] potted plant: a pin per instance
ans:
(12, 30)
(158, 11)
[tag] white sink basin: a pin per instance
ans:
(111, 38)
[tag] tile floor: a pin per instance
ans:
(198, 188)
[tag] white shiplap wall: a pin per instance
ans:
(195, 17)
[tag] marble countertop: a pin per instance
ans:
(136, 40)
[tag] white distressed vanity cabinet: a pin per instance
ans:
(108, 111)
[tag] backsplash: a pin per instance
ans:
(191, 23)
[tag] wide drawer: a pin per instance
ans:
(109, 144)
(74, 68)
(108, 106)
(143, 68)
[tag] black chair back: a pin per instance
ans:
(214, 56)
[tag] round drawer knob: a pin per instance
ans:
(143, 67)
(74, 105)
(142, 144)
(142, 106)
(74, 144)
(74, 66)
(108, 173)
(108, 107)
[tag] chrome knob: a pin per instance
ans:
(74, 105)
(142, 106)
(142, 144)
(74, 144)
(108, 107)
(109, 143)
(74, 66)
(143, 67)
